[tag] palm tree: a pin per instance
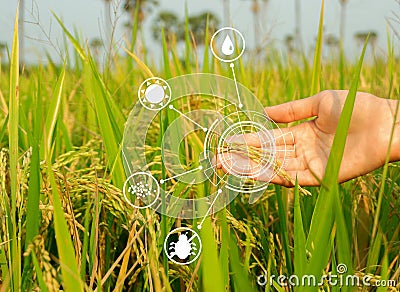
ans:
(360, 38)
(168, 21)
(332, 42)
(198, 24)
(142, 5)
(3, 47)
(95, 46)
(343, 6)
(289, 43)
(297, 30)
(227, 12)
(108, 22)
(256, 9)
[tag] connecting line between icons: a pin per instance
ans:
(185, 116)
(178, 175)
(199, 226)
(126, 160)
(236, 85)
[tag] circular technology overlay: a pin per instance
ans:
(154, 93)
(201, 128)
(227, 44)
(141, 190)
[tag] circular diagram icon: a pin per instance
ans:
(154, 93)
(227, 44)
(141, 190)
(182, 246)
(241, 159)
(192, 185)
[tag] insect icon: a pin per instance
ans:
(182, 246)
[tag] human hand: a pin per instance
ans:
(366, 144)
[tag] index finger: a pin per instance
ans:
(294, 110)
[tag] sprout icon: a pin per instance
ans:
(184, 250)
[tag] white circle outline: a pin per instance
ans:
(215, 54)
(175, 231)
(129, 201)
(259, 128)
(166, 84)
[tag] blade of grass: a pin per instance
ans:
(224, 251)
(69, 268)
(142, 65)
(133, 42)
(323, 217)
(239, 273)
(167, 66)
(85, 243)
(53, 111)
(74, 42)
(33, 213)
(13, 124)
(188, 44)
(212, 278)
(109, 125)
(4, 128)
(39, 274)
(206, 57)
(300, 255)
(384, 173)
(282, 211)
(384, 270)
(315, 81)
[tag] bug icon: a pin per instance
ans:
(182, 246)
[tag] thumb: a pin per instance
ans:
(294, 110)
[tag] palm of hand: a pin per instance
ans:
(365, 148)
(313, 139)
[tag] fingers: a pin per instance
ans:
(281, 137)
(250, 139)
(237, 164)
(304, 178)
(294, 110)
(294, 167)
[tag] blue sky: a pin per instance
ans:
(278, 20)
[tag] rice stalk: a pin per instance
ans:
(260, 155)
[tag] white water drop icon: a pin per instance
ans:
(227, 46)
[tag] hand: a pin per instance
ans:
(366, 145)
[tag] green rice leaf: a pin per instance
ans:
(315, 81)
(300, 255)
(321, 228)
(13, 124)
(69, 268)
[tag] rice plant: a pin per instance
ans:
(66, 225)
